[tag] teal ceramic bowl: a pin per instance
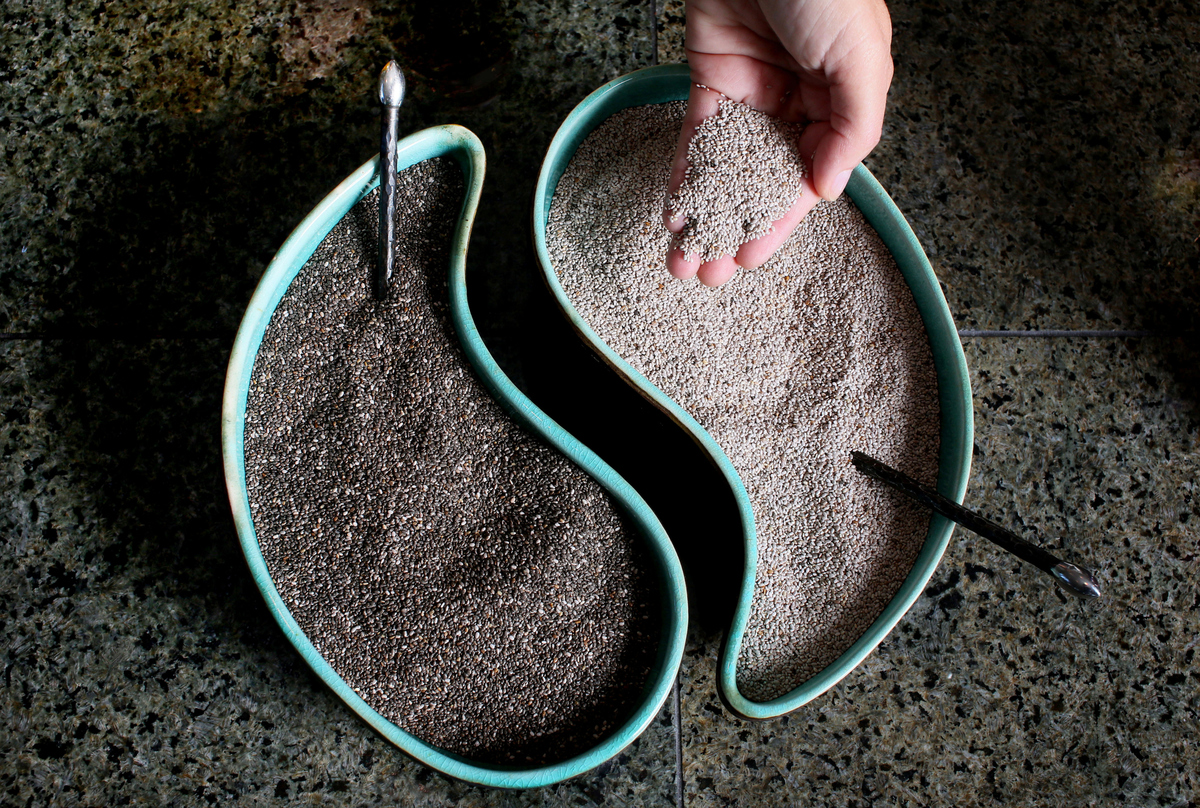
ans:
(461, 145)
(672, 83)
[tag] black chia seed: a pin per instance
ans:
(471, 584)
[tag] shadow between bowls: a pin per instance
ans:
(465, 149)
(664, 83)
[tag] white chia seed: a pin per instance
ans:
(744, 172)
(790, 367)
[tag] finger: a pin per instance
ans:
(724, 28)
(754, 254)
(810, 139)
(857, 100)
(715, 273)
(819, 140)
(798, 105)
(682, 266)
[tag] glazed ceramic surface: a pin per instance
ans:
(672, 83)
(462, 146)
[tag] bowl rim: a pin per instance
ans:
(463, 146)
(671, 83)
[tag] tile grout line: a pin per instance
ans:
(1053, 333)
(654, 32)
(677, 721)
(181, 336)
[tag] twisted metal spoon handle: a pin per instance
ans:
(1075, 579)
(391, 96)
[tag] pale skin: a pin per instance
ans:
(826, 62)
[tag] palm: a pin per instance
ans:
(833, 72)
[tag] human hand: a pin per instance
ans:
(827, 62)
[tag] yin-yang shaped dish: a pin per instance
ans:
(671, 83)
(423, 619)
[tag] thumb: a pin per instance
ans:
(834, 156)
(857, 100)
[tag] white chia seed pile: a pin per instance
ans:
(468, 582)
(744, 172)
(790, 367)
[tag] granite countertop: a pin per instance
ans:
(154, 155)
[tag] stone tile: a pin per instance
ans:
(155, 160)
(1046, 160)
(1045, 157)
(670, 32)
(140, 662)
(997, 688)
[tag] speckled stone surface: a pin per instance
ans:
(1048, 158)
(153, 157)
(671, 19)
(997, 688)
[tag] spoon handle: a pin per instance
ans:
(1074, 579)
(391, 96)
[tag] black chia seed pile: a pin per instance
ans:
(789, 367)
(471, 584)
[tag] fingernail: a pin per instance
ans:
(839, 184)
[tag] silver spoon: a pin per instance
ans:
(391, 95)
(1075, 579)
